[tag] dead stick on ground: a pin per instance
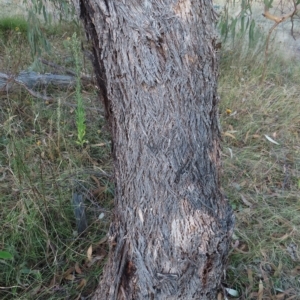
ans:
(34, 93)
(65, 70)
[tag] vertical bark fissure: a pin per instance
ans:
(87, 15)
(171, 228)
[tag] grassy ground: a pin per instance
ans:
(261, 158)
(42, 166)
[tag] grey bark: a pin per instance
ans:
(156, 67)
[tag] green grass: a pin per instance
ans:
(261, 178)
(12, 27)
(41, 166)
(37, 217)
(13, 23)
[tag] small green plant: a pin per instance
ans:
(80, 112)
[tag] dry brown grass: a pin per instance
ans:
(262, 179)
(41, 166)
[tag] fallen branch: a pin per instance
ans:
(84, 78)
(33, 80)
(30, 81)
(34, 93)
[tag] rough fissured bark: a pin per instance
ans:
(156, 67)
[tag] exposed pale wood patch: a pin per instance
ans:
(183, 9)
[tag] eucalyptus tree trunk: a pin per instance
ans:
(156, 68)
